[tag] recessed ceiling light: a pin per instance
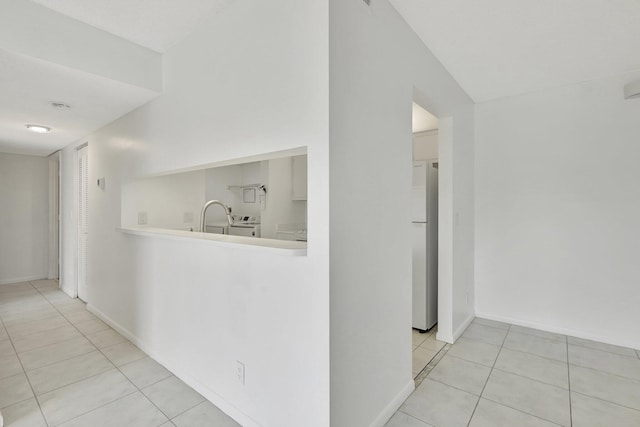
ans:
(60, 105)
(38, 128)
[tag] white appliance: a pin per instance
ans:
(424, 218)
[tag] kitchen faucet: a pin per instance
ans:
(227, 210)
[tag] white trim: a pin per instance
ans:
(176, 369)
(22, 279)
(54, 215)
(394, 405)
(563, 331)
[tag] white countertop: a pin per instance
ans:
(283, 247)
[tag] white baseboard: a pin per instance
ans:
(177, 370)
(394, 405)
(22, 279)
(559, 330)
(441, 336)
(464, 326)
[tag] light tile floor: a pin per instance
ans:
(61, 365)
(425, 348)
(498, 374)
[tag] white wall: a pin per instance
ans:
(165, 200)
(24, 218)
(252, 79)
(425, 145)
(557, 211)
(377, 67)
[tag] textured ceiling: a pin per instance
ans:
(154, 24)
(500, 48)
(28, 85)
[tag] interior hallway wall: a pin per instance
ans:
(251, 80)
(378, 66)
(558, 202)
(24, 218)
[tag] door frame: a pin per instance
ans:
(76, 216)
(54, 216)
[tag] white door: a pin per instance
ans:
(83, 221)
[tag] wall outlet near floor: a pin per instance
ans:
(240, 371)
(142, 218)
(187, 217)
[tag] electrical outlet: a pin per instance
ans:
(240, 371)
(142, 218)
(187, 217)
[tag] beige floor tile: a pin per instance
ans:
(544, 401)
(72, 306)
(45, 283)
(6, 348)
(492, 323)
(440, 405)
(204, 415)
(24, 414)
(420, 357)
(172, 396)
(486, 334)
(604, 361)
(14, 389)
(123, 353)
(535, 367)
(10, 366)
(132, 410)
(28, 342)
(40, 325)
(417, 338)
(400, 419)
(91, 326)
(491, 414)
(602, 346)
(475, 351)
(68, 371)
(605, 386)
(459, 373)
(106, 338)
(431, 343)
(539, 333)
(145, 372)
(79, 398)
(80, 316)
(29, 314)
(53, 353)
(539, 346)
(590, 412)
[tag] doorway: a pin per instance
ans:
(82, 207)
(424, 231)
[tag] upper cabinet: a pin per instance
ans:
(299, 177)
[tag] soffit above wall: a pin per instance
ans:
(499, 48)
(154, 24)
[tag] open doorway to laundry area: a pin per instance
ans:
(424, 230)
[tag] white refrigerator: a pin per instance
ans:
(424, 225)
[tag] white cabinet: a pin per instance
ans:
(299, 177)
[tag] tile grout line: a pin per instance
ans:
(489, 376)
(138, 389)
(569, 384)
(24, 372)
(607, 401)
